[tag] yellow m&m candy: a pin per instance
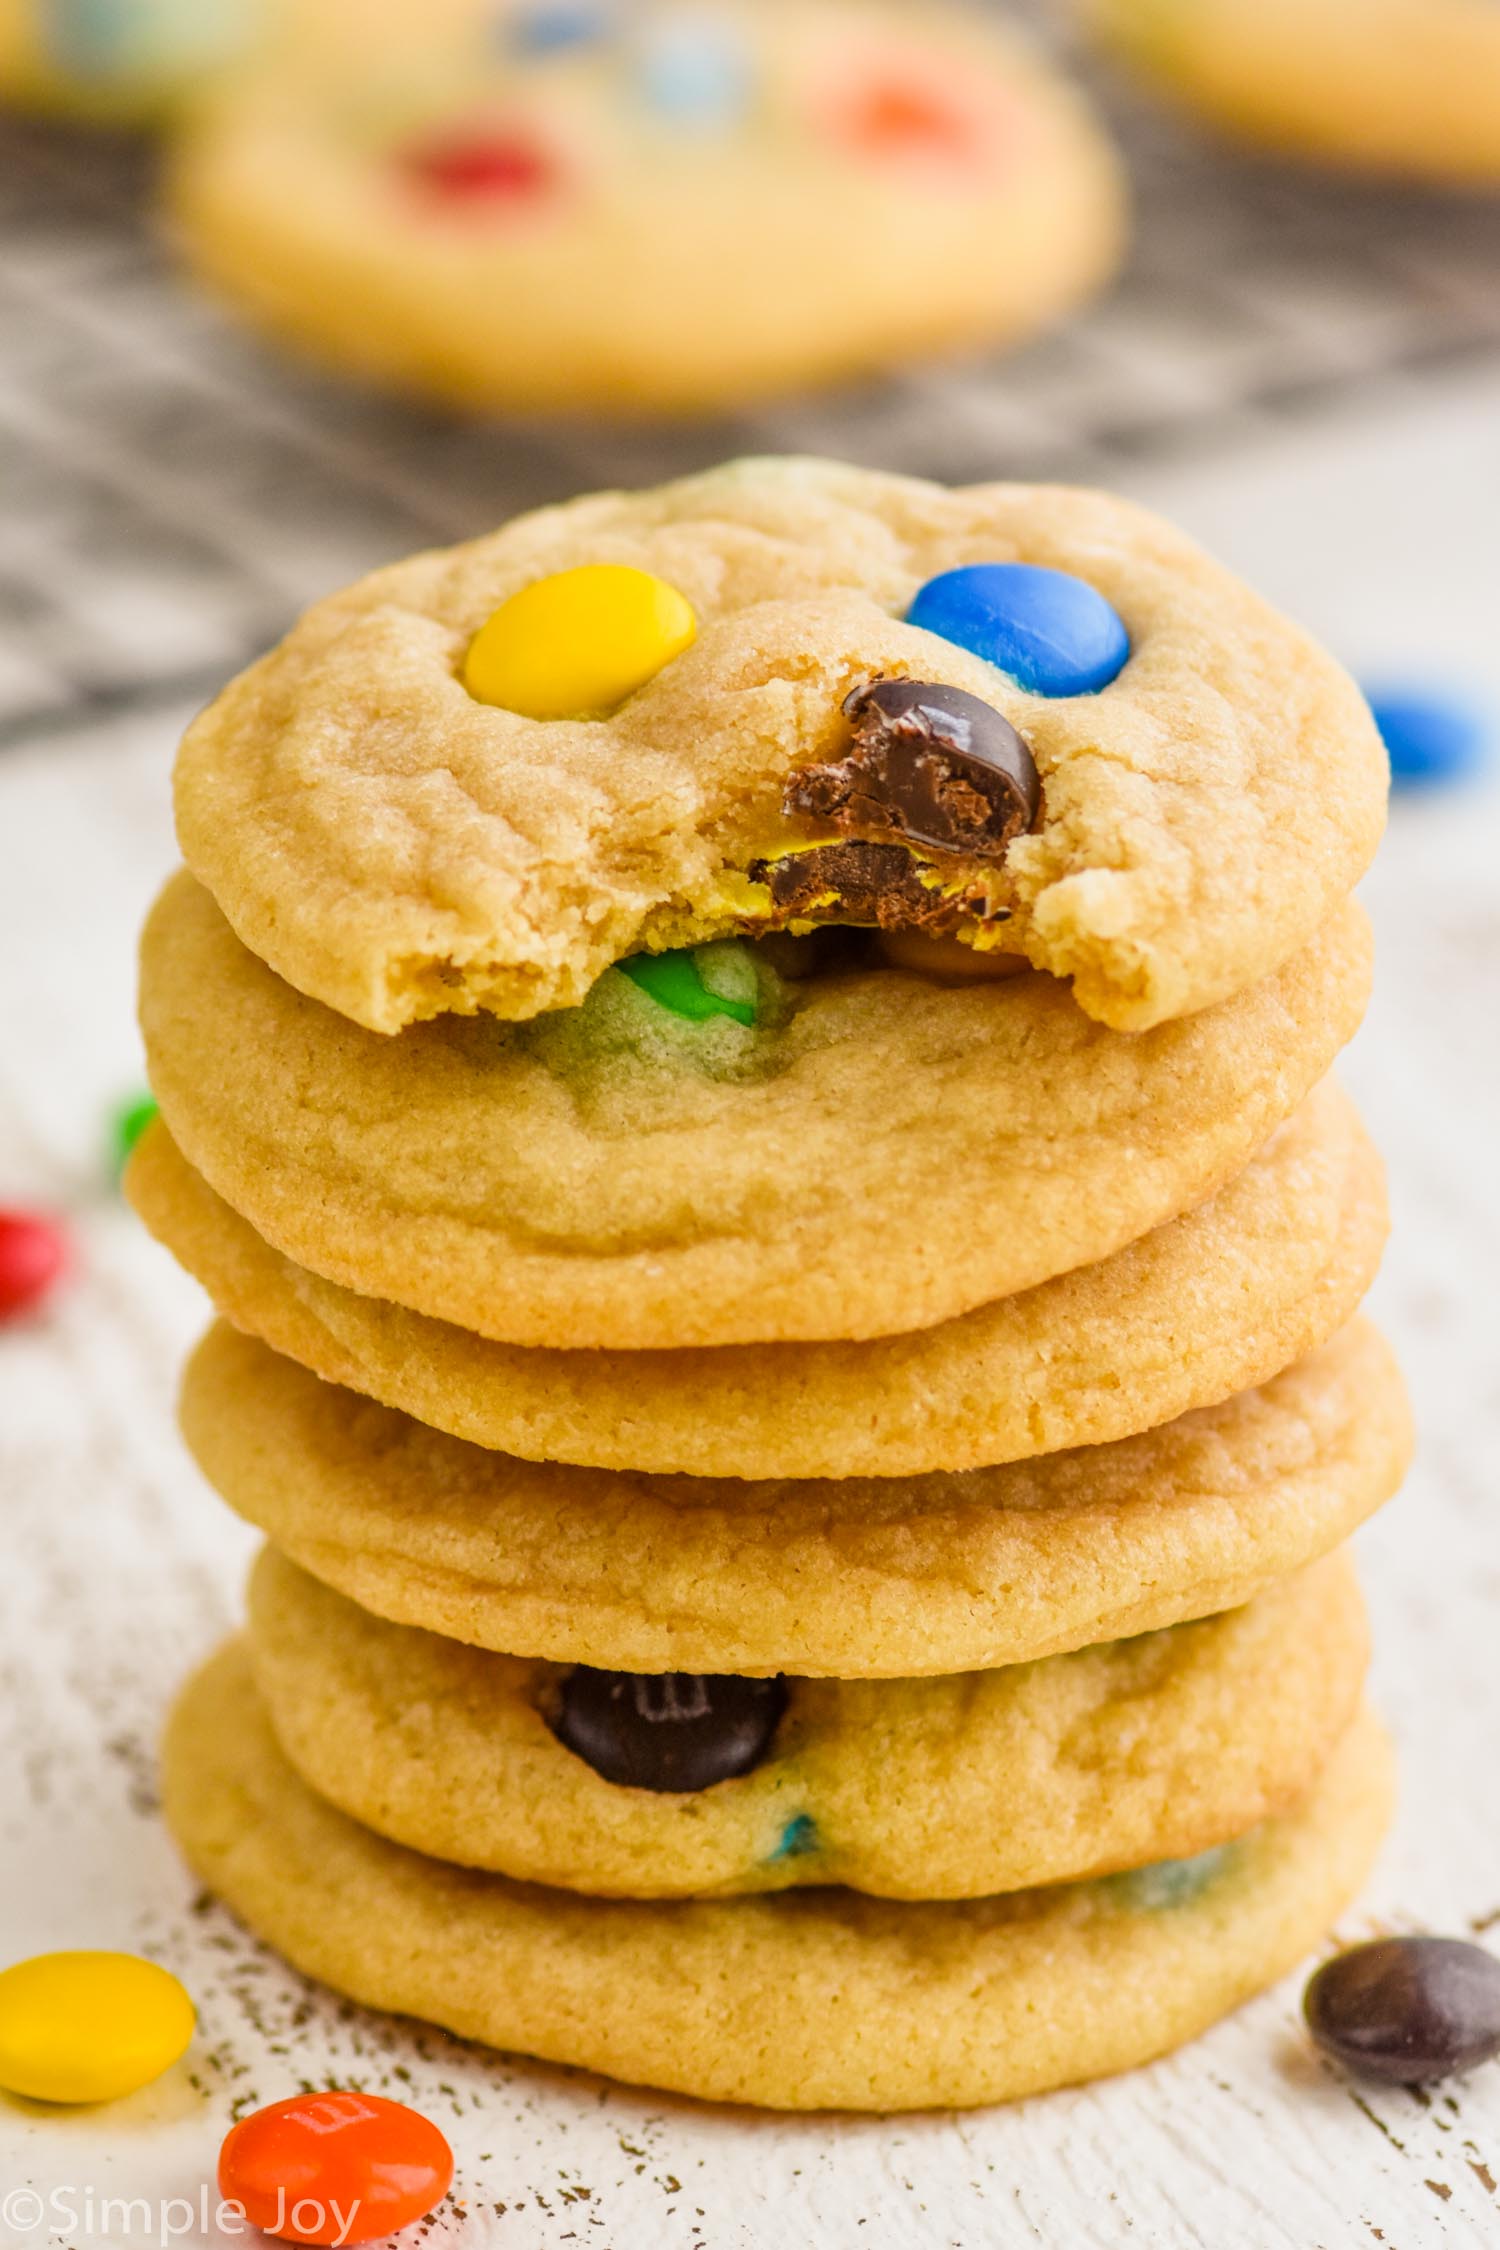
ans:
(89, 2027)
(574, 645)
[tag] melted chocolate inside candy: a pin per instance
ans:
(876, 883)
(929, 763)
(1407, 2008)
(668, 1731)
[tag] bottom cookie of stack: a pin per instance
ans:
(819, 1999)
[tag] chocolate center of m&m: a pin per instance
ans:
(673, 1732)
(929, 763)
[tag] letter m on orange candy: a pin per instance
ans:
(330, 2113)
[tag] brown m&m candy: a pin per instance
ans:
(1407, 2008)
(673, 1732)
(933, 774)
(931, 765)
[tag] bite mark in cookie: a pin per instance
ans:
(933, 774)
(932, 764)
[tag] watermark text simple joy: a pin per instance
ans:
(28, 2215)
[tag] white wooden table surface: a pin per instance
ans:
(119, 1568)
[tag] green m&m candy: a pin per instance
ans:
(126, 1125)
(675, 982)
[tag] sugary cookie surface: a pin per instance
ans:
(1181, 791)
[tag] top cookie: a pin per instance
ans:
(1195, 787)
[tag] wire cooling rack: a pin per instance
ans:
(171, 493)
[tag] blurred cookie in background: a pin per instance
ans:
(678, 206)
(132, 62)
(1410, 87)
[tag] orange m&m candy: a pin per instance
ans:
(334, 2168)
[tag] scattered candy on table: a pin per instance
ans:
(675, 982)
(1429, 737)
(89, 2027)
(1050, 632)
(335, 2167)
(574, 645)
(1407, 2008)
(126, 1127)
(33, 1254)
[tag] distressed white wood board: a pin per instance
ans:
(120, 1569)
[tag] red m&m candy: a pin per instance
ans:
(335, 2167)
(33, 1252)
(480, 167)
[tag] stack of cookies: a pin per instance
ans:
(746, 1066)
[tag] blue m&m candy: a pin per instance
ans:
(554, 26)
(695, 73)
(1429, 738)
(1050, 632)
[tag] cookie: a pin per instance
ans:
(400, 849)
(144, 62)
(857, 1578)
(118, 61)
(682, 207)
(1211, 1303)
(874, 1152)
(950, 2004)
(652, 1786)
(1402, 86)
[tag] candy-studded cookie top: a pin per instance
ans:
(399, 847)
